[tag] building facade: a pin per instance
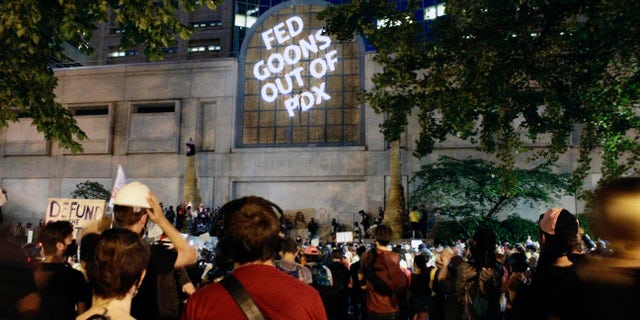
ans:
(279, 120)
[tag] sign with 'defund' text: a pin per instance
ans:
(295, 55)
(80, 212)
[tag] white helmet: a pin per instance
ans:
(133, 194)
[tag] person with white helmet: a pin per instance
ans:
(134, 204)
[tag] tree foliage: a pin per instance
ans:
(514, 229)
(505, 73)
(472, 187)
(91, 190)
(545, 68)
(35, 32)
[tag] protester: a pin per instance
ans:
(356, 294)
(446, 303)
(64, 291)
(115, 272)
(555, 286)
(19, 297)
(420, 288)
(380, 275)
(479, 279)
(87, 246)
(288, 264)
(313, 227)
(414, 218)
(517, 280)
(341, 282)
(134, 204)
(611, 282)
(3, 200)
(250, 240)
(322, 280)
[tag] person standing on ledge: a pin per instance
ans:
(191, 148)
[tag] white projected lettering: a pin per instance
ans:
(271, 68)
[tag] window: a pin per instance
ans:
(435, 11)
(118, 53)
(91, 111)
(300, 91)
(154, 127)
(154, 108)
(211, 45)
(95, 121)
(206, 24)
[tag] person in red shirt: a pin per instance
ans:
(384, 292)
(251, 238)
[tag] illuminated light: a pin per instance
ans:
(313, 68)
(269, 92)
(290, 52)
(308, 46)
(244, 21)
(433, 12)
(294, 28)
(328, 62)
(260, 71)
(332, 59)
(297, 73)
(297, 54)
(292, 104)
(275, 68)
(320, 94)
(306, 101)
(323, 38)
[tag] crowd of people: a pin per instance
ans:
(260, 273)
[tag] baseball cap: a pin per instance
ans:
(558, 220)
(311, 250)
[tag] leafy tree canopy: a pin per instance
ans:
(35, 32)
(502, 73)
(514, 229)
(472, 187)
(91, 190)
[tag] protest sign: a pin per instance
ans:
(344, 237)
(80, 212)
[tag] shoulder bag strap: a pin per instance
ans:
(242, 298)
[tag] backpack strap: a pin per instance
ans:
(242, 298)
(299, 267)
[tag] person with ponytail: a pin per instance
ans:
(479, 279)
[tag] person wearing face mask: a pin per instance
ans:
(134, 204)
(63, 290)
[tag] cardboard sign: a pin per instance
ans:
(80, 212)
(343, 237)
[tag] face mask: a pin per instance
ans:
(72, 249)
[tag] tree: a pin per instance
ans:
(35, 32)
(508, 72)
(397, 39)
(504, 73)
(472, 187)
(91, 190)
